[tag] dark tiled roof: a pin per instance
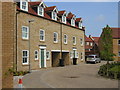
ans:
(78, 19)
(50, 8)
(61, 12)
(88, 47)
(47, 9)
(30, 10)
(70, 15)
(34, 3)
(116, 32)
(96, 39)
(87, 39)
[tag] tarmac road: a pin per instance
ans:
(72, 76)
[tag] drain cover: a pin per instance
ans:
(72, 76)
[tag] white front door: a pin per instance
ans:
(42, 59)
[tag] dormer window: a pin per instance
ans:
(54, 15)
(40, 11)
(73, 21)
(64, 18)
(80, 24)
(24, 5)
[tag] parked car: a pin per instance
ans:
(93, 59)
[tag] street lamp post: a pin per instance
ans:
(61, 60)
(29, 21)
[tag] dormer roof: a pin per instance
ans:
(70, 15)
(47, 9)
(60, 13)
(34, 3)
(32, 9)
(78, 19)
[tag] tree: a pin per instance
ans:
(106, 44)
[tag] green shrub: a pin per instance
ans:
(113, 70)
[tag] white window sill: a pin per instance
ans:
(74, 44)
(55, 42)
(48, 59)
(42, 40)
(65, 43)
(80, 27)
(25, 39)
(81, 44)
(41, 15)
(25, 64)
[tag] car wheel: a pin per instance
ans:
(99, 61)
(95, 62)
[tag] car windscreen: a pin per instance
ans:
(90, 56)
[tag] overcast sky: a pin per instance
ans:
(95, 14)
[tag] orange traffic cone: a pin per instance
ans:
(20, 82)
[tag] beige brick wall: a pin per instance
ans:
(49, 27)
(8, 28)
(0, 45)
(116, 49)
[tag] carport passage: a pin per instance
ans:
(56, 57)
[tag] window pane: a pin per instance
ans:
(55, 37)
(24, 53)
(41, 35)
(24, 60)
(54, 15)
(118, 41)
(35, 52)
(24, 32)
(24, 5)
(119, 54)
(47, 55)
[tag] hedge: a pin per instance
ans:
(113, 70)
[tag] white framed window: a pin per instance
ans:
(91, 44)
(87, 43)
(55, 37)
(119, 54)
(42, 35)
(36, 54)
(71, 54)
(77, 54)
(74, 40)
(64, 18)
(72, 22)
(65, 38)
(81, 41)
(24, 5)
(25, 57)
(81, 56)
(40, 11)
(54, 15)
(80, 24)
(48, 55)
(25, 32)
(118, 42)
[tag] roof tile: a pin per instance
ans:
(116, 32)
(50, 8)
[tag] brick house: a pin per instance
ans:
(7, 23)
(116, 42)
(91, 45)
(43, 35)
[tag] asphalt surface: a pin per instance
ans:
(72, 76)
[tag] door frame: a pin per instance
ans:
(42, 47)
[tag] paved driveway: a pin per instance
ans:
(72, 76)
